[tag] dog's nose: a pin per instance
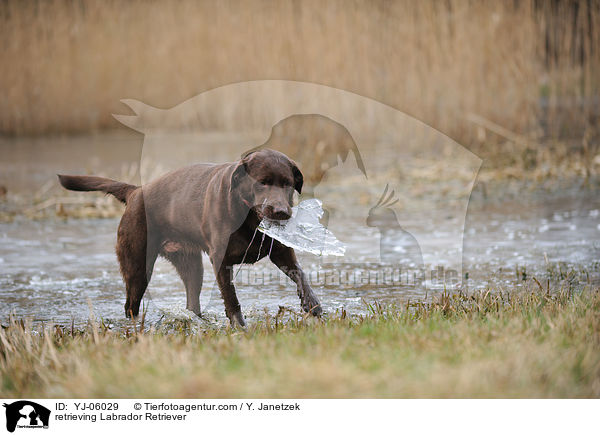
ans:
(278, 212)
(283, 213)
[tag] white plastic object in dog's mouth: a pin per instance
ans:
(303, 231)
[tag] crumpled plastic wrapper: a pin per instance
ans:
(303, 231)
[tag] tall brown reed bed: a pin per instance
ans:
(65, 64)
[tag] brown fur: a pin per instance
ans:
(204, 208)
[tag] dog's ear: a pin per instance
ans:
(298, 177)
(238, 175)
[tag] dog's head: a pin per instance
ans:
(266, 180)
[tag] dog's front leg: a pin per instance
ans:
(232, 305)
(285, 259)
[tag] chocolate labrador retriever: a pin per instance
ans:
(212, 208)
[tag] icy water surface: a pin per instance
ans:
(54, 270)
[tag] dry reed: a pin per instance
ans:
(530, 67)
(487, 344)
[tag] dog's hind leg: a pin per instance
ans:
(136, 267)
(189, 267)
(136, 257)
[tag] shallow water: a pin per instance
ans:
(54, 271)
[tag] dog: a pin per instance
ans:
(210, 208)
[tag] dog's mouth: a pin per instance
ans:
(281, 215)
(273, 216)
(261, 213)
(257, 208)
(278, 219)
(264, 211)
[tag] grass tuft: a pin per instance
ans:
(486, 344)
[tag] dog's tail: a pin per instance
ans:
(84, 183)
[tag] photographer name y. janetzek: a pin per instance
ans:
(279, 407)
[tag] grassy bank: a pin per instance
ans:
(529, 344)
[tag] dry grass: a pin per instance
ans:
(531, 344)
(65, 64)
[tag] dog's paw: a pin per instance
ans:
(313, 307)
(237, 320)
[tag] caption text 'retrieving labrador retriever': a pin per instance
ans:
(212, 208)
